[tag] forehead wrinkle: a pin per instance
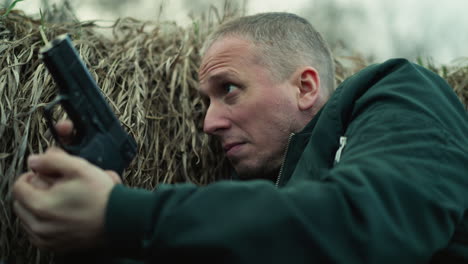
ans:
(212, 64)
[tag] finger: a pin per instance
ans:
(31, 223)
(42, 232)
(56, 162)
(33, 238)
(115, 177)
(45, 233)
(64, 128)
(25, 193)
(41, 181)
(26, 217)
(26, 176)
(65, 131)
(36, 222)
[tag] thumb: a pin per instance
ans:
(114, 176)
(55, 162)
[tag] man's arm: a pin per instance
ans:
(376, 206)
(396, 196)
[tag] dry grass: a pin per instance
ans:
(456, 75)
(147, 71)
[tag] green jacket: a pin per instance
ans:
(395, 190)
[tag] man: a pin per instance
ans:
(376, 174)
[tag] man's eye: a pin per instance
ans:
(229, 87)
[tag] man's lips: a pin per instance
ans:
(230, 146)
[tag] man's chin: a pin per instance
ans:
(253, 173)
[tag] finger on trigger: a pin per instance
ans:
(64, 127)
(64, 130)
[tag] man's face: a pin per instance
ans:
(251, 113)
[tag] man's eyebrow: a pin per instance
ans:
(221, 76)
(216, 79)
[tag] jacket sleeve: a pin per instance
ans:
(396, 196)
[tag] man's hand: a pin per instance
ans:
(62, 202)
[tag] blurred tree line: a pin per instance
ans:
(349, 26)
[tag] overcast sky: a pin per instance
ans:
(382, 28)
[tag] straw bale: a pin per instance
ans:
(455, 74)
(148, 73)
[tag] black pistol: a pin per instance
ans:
(99, 138)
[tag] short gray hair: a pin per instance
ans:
(285, 41)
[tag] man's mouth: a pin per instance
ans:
(231, 148)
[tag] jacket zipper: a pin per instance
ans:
(340, 149)
(284, 159)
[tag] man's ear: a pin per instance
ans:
(308, 83)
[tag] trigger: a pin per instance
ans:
(48, 111)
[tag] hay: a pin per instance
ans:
(147, 71)
(456, 75)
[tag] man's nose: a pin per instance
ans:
(215, 120)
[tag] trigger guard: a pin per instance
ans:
(48, 116)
